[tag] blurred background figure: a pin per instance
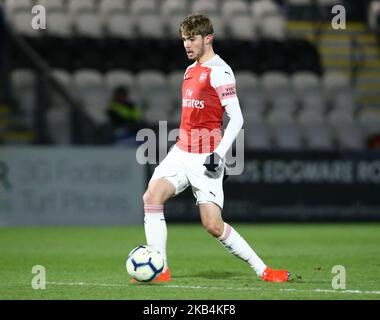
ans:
(373, 142)
(124, 116)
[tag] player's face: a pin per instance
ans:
(194, 46)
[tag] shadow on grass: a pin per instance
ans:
(213, 275)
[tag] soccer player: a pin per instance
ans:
(197, 158)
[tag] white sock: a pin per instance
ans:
(155, 229)
(235, 244)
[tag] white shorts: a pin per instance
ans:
(184, 168)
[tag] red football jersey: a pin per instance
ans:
(206, 88)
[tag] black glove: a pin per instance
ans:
(213, 162)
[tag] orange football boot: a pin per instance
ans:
(272, 275)
(162, 277)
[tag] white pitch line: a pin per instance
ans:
(211, 288)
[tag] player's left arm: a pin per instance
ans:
(223, 81)
(233, 128)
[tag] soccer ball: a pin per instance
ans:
(144, 263)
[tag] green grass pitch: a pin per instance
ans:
(89, 262)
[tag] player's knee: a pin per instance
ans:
(213, 228)
(150, 197)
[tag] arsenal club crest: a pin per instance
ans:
(202, 77)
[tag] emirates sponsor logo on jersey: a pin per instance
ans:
(202, 77)
(192, 103)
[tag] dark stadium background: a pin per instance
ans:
(310, 96)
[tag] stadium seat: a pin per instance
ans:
(84, 78)
(314, 101)
(263, 8)
(60, 25)
(21, 23)
(232, 8)
(22, 79)
(254, 112)
(52, 5)
(205, 6)
(58, 125)
(277, 117)
(345, 101)
(307, 88)
(64, 78)
(138, 7)
(253, 107)
(172, 7)
(150, 25)
(75, 7)
(305, 81)
(89, 24)
(333, 82)
(172, 24)
(349, 136)
(257, 137)
(328, 2)
(120, 25)
(13, 6)
(247, 86)
(219, 24)
(155, 94)
(93, 93)
(283, 101)
(274, 82)
(340, 116)
(307, 117)
(174, 118)
(118, 77)
(246, 80)
(242, 27)
(175, 79)
(115, 78)
(287, 136)
(158, 106)
(273, 27)
(369, 119)
(147, 80)
(23, 85)
(107, 7)
(318, 137)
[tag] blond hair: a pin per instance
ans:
(196, 24)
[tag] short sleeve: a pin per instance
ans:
(223, 81)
